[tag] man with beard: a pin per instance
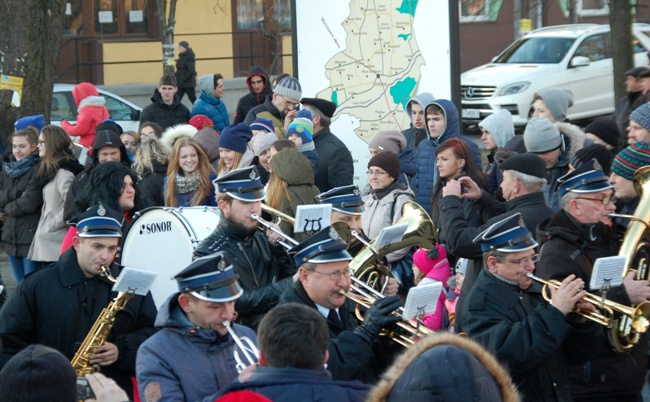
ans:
(263, 267)
(280, 108)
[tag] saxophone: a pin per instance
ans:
(100, 330)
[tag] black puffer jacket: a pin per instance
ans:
(335, 166)
(250, 100)
(569, 247)
(164, 114)
(186, 70)
(264, 271)
(22, 205)
(151, 185)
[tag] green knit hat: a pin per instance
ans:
(630, 159)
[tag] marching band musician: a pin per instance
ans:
(572, 240)
(324, 280)
(506, 313)
(262, 264)
(347, 206)
(192, 356)
(58, 305)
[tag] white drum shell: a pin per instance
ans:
(163, 240)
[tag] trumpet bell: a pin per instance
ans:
(641, 319)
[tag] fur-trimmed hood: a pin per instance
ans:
(445, 367)
(574, 139)
(173, 133)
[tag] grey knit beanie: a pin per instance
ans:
(499, 125)
(541, 135)
(388, 141)
(641, 115)
(206, 82)
(289, 87)
(558, 101)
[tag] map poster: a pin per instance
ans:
(370, 58)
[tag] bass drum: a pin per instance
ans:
(163, 240)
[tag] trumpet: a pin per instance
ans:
(280, 216)
(287, 243)
(411, 330)
(639, 315)
(246, 346)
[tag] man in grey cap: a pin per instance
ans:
(507, 314)
(543, 138)
(280, 108)
(192, 356)
(633, 98)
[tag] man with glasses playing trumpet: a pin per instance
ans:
(262, 264)
(506, 312)
(193, 355)
(581, 232)
(324, 281)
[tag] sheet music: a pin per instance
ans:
(608, 269)
(312, 217)
(390, 235)
(422, 300)
(134, 280)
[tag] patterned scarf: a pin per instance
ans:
(187, 184)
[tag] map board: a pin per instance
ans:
(370, 57)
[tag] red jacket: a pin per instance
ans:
(91, 112)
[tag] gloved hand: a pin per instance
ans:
(378, 317)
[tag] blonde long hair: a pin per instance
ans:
(203, 169)
(222, 165)
(276, 190)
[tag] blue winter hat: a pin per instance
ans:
(263, 124)
(302, 126)
(235, 137)
(509, 235)
(37, 121)
(641, 115)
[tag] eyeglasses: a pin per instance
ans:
(334, 276)
(295, 105)
(377, 173)
(605, 200)
(522, 261)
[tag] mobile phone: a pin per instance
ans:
(83, 389)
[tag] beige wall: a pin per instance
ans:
(205, 24)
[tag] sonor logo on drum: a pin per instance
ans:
(156, 227)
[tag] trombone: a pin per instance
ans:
(640, 315)
(245, 345)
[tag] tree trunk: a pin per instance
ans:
(167, 17)
(620, 21)
(29, 48)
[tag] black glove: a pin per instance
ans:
(378, 317)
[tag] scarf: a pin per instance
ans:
(381, 193)
(187, 184)
(18, 168)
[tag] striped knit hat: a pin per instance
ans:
(630, 159)
(302, 126)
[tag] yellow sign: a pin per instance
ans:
(14, 84)
(525, 26)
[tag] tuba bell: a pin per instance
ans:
(368, 266)
(636, 247)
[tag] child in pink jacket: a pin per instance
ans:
(91, 112)
(435, 267)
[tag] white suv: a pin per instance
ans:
(576, 57)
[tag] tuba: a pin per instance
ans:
(636, 247)
(368, 266)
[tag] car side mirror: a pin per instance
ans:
(580, 61)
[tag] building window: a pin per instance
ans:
(250, 14)
(587, 8)
(73, 18)
(478, 10)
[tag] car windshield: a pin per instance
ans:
(536, 50)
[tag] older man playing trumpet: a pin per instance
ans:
(506, 313)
